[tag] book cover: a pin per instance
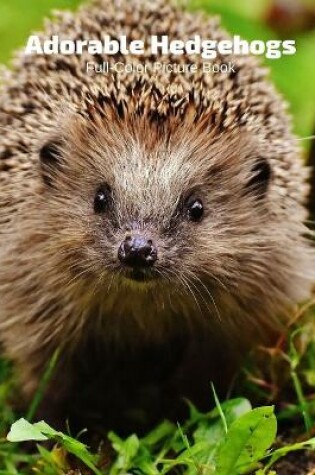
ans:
(157, 262)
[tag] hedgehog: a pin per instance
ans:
(152, 224)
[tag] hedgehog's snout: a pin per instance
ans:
(137, 252)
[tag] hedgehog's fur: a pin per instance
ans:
(224, 282)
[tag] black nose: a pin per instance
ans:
(137, 251)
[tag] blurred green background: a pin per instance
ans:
(252, 19)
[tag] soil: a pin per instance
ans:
(297, 463)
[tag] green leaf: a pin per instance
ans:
(126, 450)
(283, 451)
(23, 431)
(247, 441)
(210, 427)
(162, 431)
(235, 408)
(46, 429)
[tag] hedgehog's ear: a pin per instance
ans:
(50, 157)
(259, 178)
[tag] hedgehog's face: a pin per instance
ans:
(181, 214)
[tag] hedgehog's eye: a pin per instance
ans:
(102, 199)
(195, 210)
(260, 177)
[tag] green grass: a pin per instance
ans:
(231, 439)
